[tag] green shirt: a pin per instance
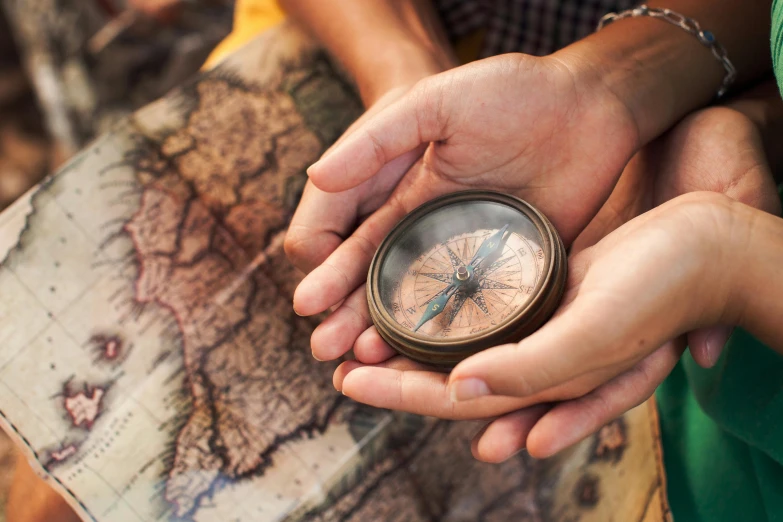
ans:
(722, 428)
(722, 432)
(777, 40)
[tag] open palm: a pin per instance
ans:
(517, 124)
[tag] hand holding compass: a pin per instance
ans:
(565, 171)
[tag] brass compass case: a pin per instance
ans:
(465, 272)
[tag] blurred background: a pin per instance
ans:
(25, 148)
(70, 69)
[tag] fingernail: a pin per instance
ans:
(467, 389)
(315, 165)
(316, 358)
(716, 341)
(297, 312)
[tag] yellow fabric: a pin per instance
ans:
(251, 17)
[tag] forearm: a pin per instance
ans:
(381, 43)
(660, 72)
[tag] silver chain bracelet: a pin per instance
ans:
(688, 24)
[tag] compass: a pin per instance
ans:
(463, 273)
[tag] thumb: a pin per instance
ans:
(571, 346)
(605, 330)
(403, 126)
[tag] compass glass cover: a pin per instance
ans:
(462, 270)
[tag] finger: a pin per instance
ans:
(322, 220)
(404, 385)
(346, 268)
(569, 422)
(337, 334)
(597, 330)
(319, 225)
(503, 438)
(419, 392)
(370, 348)
(399, 363)
(706, 344)
(401, 127)
(559, 352)
(384, 101)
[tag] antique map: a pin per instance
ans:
(151, 364)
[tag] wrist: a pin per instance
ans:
(757, 283)
(657, 71)
(758, 253)
(727, 271)
(707, 231)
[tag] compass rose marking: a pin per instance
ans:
(441, 265)
(491, 284)
(438, 276)
(478, 298)
(456, 262)
(459, 300)
(497, 264)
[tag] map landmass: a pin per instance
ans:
(84, 406)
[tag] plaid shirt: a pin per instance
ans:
(536, 27)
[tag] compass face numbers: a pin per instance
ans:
(500, 287)
(462, 273)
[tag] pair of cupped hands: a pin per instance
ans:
(653, 229)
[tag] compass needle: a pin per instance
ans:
(436, 307)
(489, 246)
(456, 307)
(442, 277)
(456, 262)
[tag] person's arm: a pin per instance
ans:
(659, 71)
(381, 43)
(758, 285)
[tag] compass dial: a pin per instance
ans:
(500, 288)
(463, 272)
